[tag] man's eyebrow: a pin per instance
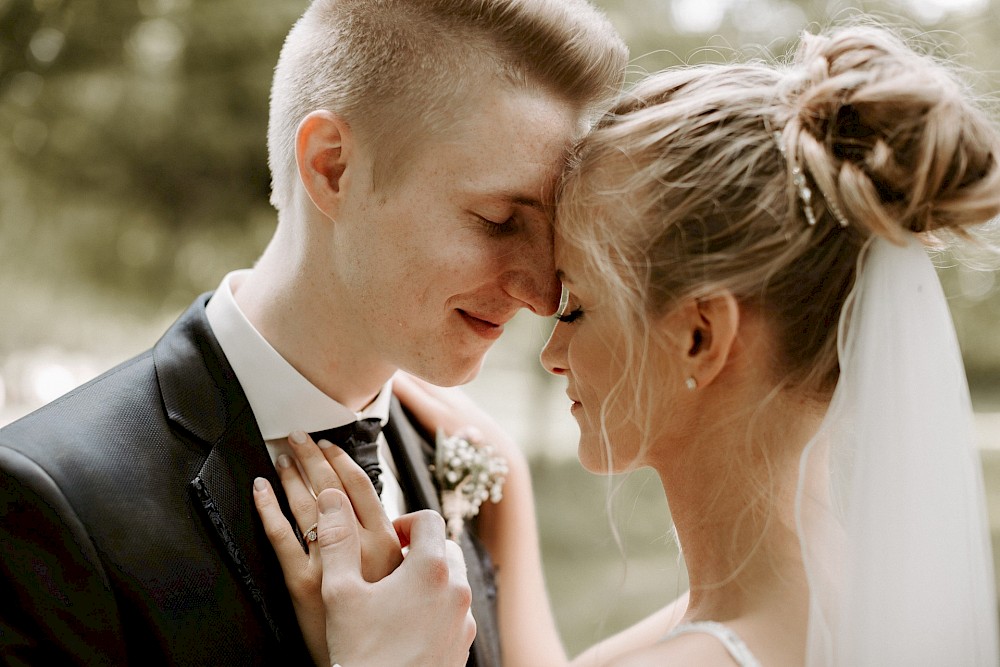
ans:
(530, 202)
(519, 199)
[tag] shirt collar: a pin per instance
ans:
(281, 398)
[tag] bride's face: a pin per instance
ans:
(589, 347)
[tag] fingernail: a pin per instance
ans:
(330, 502)
(298, 437)
(284, 461)
(325, 444)
(259, 484)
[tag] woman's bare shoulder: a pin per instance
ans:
(686, 650)
(645, 633)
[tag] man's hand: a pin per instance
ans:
(418, 615)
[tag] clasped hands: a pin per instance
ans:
(358, 599)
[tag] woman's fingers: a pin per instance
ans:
(300, 498)
(329, 467)
(358, 487)
(380, 547)
(315, 465)
(279, 533)
(339, 543)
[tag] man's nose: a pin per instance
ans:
(545, 293)
(531, 278)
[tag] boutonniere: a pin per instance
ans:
(468, 473)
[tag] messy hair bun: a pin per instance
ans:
(683, 191)
(890, 136)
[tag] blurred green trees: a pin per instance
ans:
(132, 137)
(132, 144)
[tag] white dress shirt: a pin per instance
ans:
(281, 398)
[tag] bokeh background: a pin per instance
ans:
(133, 176)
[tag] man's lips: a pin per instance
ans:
(484, 327)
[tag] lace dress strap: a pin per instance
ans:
(729, 639)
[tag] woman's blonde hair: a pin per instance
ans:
(683, 189)
(397, 70)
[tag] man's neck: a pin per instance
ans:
(283, 308)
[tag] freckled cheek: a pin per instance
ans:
(409, 282)
(490, 253)
(470, 268)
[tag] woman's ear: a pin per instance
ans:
(706, 330)
(322, 149)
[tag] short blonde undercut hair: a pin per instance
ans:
(396, 70)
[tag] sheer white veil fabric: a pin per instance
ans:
(890, 507)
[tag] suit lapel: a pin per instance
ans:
(479, 569)
(202, 397)
(223, 489)
(412, 454)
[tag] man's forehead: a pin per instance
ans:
(567, 259)
(510, 133)
(539, 201)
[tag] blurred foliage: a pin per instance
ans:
(132, 139)
(610, 557)
(132, 136)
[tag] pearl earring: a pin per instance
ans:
(691, 383)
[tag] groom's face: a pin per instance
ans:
(464, 239)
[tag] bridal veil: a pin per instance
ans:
(890, 505)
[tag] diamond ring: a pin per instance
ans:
(310, 533)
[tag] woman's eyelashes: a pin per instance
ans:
(570, 316)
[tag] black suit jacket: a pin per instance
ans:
(128, 532)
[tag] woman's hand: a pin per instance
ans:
(327, 467)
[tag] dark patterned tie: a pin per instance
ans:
(360, 440)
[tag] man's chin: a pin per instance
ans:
(452, 376)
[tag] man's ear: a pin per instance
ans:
(706, 329)
(322, 148)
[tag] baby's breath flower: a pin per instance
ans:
(469, 474)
